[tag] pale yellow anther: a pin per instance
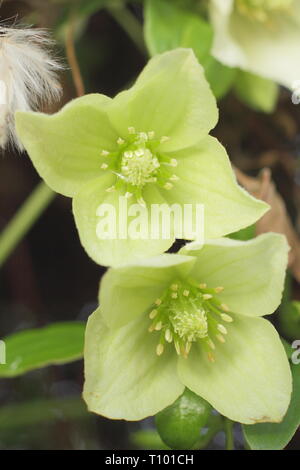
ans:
(111, 189)
(131, 130)
(153, 314)
(128, 195)
(158, 326)
(222, 329)
(169, 336)
(139, 152)
(207, 296)
(220, 338)
(219, 289)
(174, 286)
(226, 317)
(143, 136)
(188, 348)
(128, 154)
(173, 162)
(158, 302)
(177, 347)
(104, 153)
(159, 349)
(151, 134)
(203, 285)
(168, 186)
(225, 307)
(174, 295)
(211, 344)
(174, 178)
(210, 357)
(104, 166)
(120, 141)
(186, 293)
(151, 329)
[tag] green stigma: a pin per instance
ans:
(139, 166)
(190, 325)
(138, 161)
(189, 313)
(261, 10)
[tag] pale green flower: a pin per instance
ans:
(259, 36)
(191, 320)
(150, 144)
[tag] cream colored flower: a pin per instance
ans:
(259, 36)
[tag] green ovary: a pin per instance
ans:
(262, 9)
(188, 313)
(137, 162)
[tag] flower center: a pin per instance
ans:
(189, 313)
(137, 162)
(139, 166)
(261, 10)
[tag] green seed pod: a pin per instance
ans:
(179, 424)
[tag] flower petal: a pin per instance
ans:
(254, 46)
(124, 377)
(65, 147)
(225, 48)
(206, 177)
(129, 291)
(171, 97)
(251, 272)
(119, 248)
(250, 380)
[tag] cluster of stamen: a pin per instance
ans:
(138, 161)
(261, 10)
(187, 313)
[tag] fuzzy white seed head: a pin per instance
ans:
(28, 76)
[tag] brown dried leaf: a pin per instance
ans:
(276, 219)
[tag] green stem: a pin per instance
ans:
(130, 24)
(23, 220)
(228, 427)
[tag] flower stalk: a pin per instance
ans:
(24, 219)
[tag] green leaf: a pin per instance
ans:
(289, 316)
(27, 350)
(257, 92)
(33, 413)
(179, 424)
(220, 77)
(288, 348)
(168, 26)
(269, 436)
(244, 234)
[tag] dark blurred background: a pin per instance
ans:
(49, 277)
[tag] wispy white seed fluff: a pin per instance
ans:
(28, 76)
